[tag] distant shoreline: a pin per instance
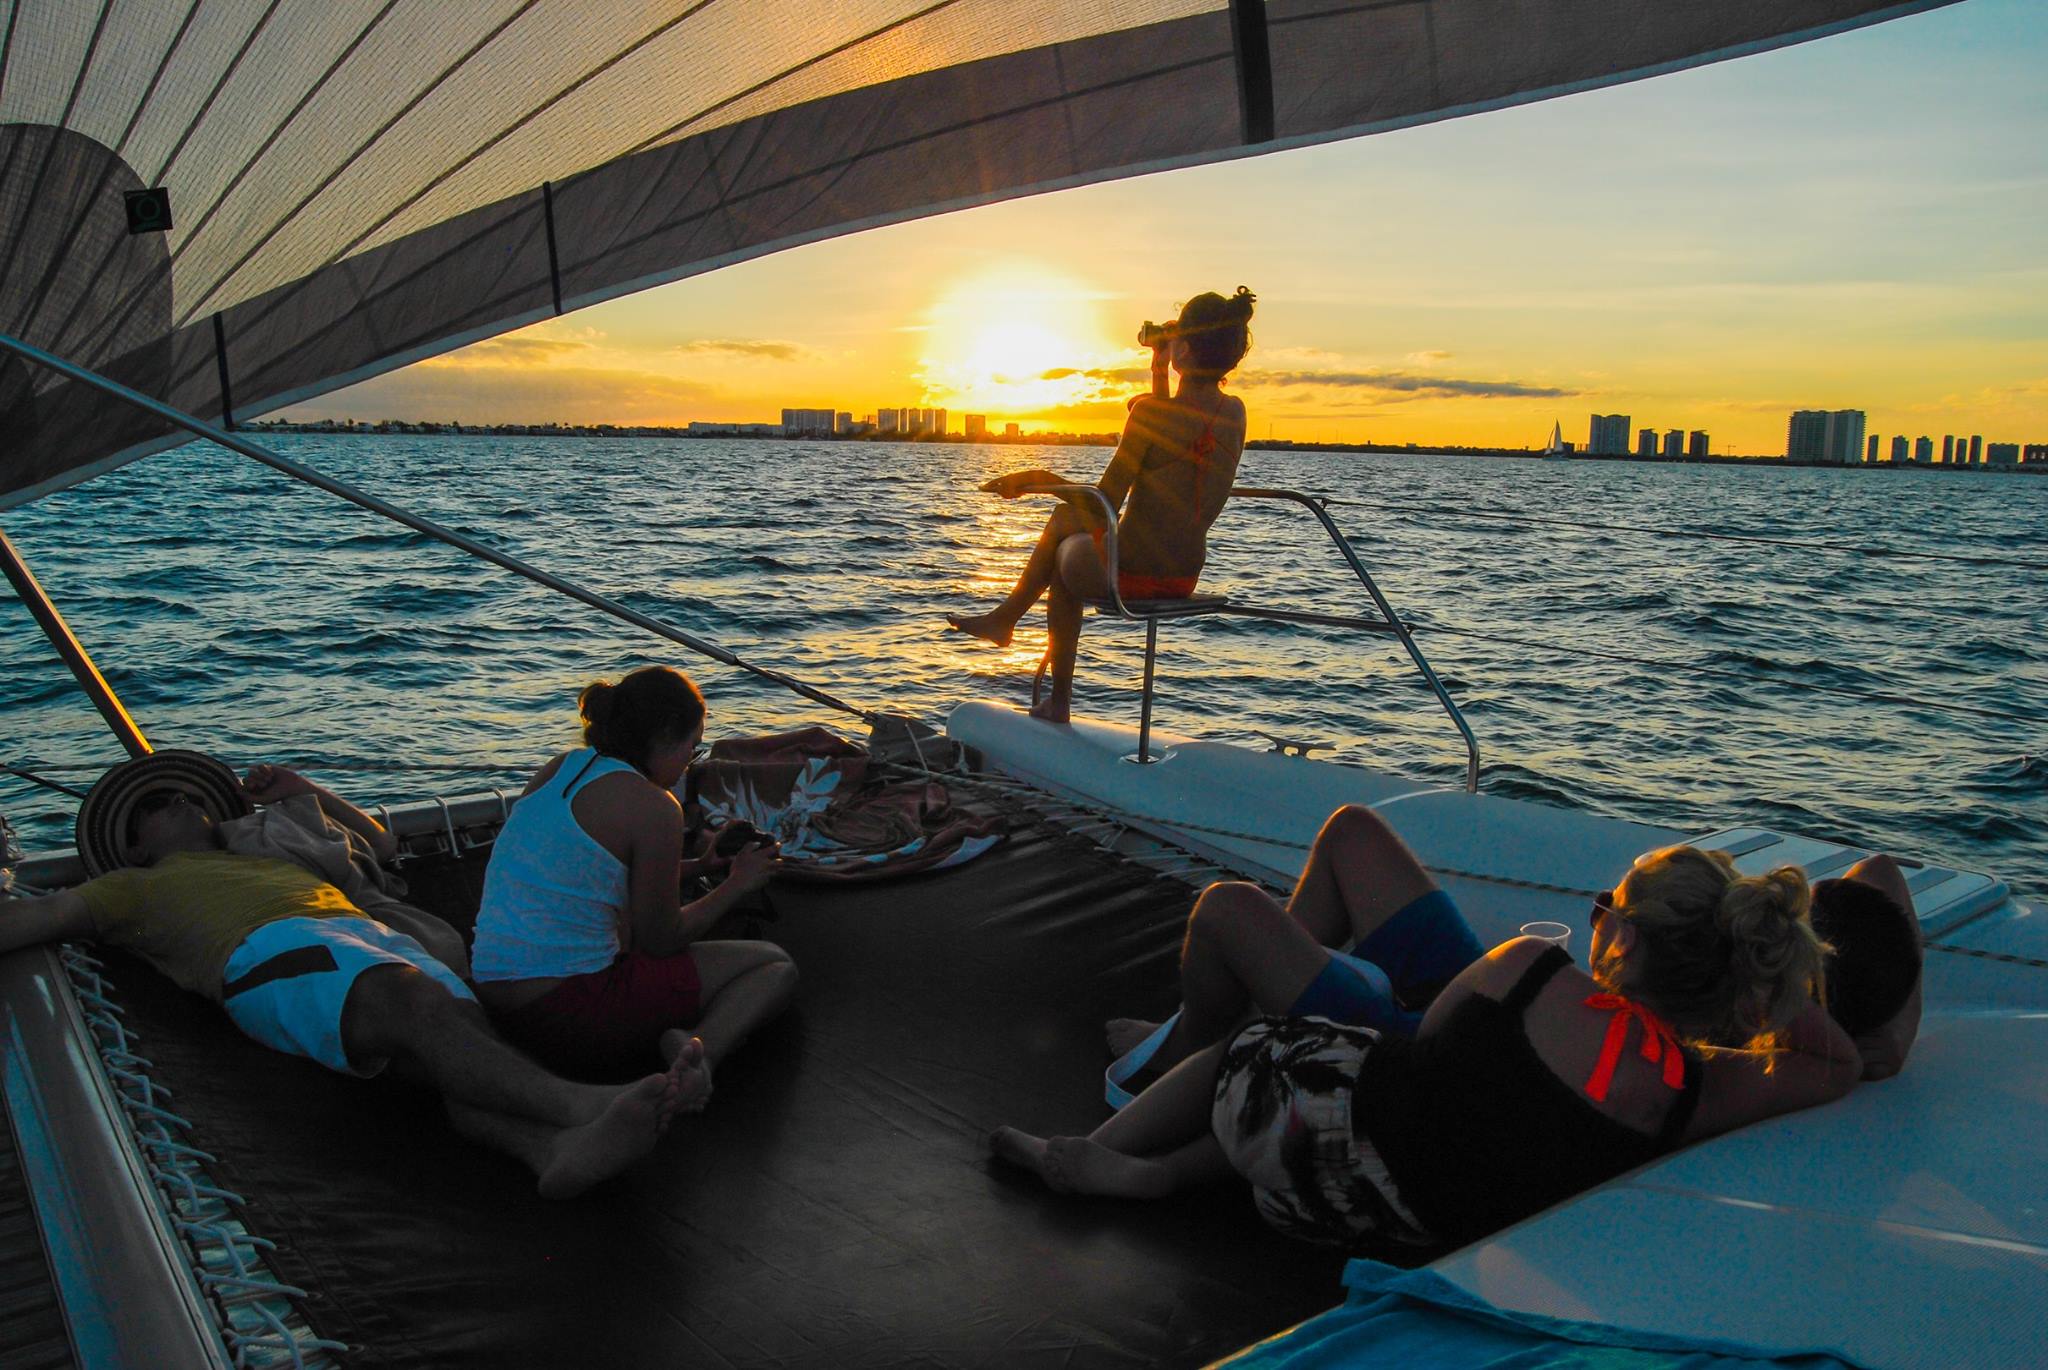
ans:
(395, 428)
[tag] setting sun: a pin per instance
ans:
(1020, 339)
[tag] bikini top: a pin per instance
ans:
(1479, 1132)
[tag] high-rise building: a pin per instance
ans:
(1976, 448)
(1870, 451)
(1898, 449)
(1923, 448)
(977, 425)
(1696, 445)
(887, 419)
(807, 421)
(1674, 444)
(1646, 443)
(938, 423)
(1825, 435)
(2033, 452)
(1948, 448)
(1609, 437)
(845, 424)
(1009, 430)
(2002, 453)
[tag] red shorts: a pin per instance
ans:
(608, 1022)
(1131, 585)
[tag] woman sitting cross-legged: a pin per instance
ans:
(585, 953)
(1366, 939)
(1529, 1079)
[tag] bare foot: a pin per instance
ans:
(1053, 709)
(580, 1157)
(991, 628)
(1020, 1149)
(1076, 1165)
(1124, 1035)
(689, 1068)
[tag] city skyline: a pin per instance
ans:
(1845, 220)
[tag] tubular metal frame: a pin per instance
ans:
(1115, 606)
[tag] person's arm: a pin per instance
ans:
(660, 924)
(1015, 483)
(1885, 1047)
(60, 917)
(267, 784)
(1818, 1065)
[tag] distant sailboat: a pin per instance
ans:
(1556, 448)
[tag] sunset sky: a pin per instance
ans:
(1860, 222)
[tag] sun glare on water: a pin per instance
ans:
(1018, 341)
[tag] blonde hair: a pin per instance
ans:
(1729, 959)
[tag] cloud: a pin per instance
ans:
(1106, 375)
(1428, 358)
(745, 347)
(569, 394)
(513, 352)
(1405, 383)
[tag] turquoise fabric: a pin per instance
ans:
(1417, 1320)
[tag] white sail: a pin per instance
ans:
(356, 185)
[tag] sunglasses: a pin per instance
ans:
(1603, 902)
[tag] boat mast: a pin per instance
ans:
(70, 648)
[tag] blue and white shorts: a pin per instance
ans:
(288, 982)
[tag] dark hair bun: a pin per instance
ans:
(595, 703)
(649, 707)
(1240, 304)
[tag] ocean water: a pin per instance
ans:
(1682, 680)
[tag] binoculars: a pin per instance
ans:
(1157, 334)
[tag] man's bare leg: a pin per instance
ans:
(1159, 1144)
(1359, 874)
(572, 1135)
(1243, 952)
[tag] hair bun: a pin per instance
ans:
(1241, 303)
(595, 703)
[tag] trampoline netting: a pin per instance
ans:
(833, 1208)
(353, 186)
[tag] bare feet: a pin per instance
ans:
(686, 1061)
(580, 1157)
(992, 628)
(1020, 1149)
(1053, 709)
(1124, 1035)
(1076, 1165)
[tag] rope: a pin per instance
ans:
(2007, 957)
(1694, 534)
(255, 1313)
(35, 779)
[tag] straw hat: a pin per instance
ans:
(102, 832)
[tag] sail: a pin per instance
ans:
(357, 184)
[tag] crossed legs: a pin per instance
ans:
(571, 1135)
(1159, 1144)
(1244, 952)
(744, 985)
(1065, 563)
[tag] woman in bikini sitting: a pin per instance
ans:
(585, 953)
(1528, 1081)
(1175, 463)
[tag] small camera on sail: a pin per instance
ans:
(1156, 334)
(149, 211)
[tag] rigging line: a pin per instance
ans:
(206, 106)
(450, 170)
(283, 125)
(787, 72)
(35, 193)
(1847, 549)
(481, 550)
(1722, 673)
(47, 784)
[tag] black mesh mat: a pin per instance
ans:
(833, 1208)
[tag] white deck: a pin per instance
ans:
(1904, 1226)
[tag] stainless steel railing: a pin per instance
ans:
(1114, 606)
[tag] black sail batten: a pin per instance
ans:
(360, 196)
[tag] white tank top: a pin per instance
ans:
(552, 894)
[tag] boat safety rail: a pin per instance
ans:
(235, 443)
(1114, 605)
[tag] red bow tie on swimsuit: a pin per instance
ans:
(1659, 1043)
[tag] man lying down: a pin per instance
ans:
(302, 968)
